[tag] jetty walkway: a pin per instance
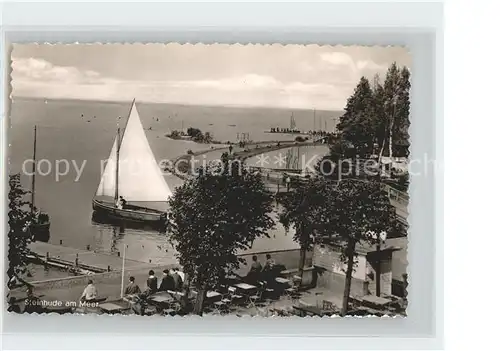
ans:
(241, 153)
(82, 261)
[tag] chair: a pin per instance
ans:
(221, 306)
(254, 299)
(328, 305)
(232, 296)
(292, 293)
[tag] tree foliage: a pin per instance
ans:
(356, 124)
(301, 209)
(20, 219)
(379, 113)
(215, 215)
(356, 211)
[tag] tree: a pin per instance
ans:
(300, 210)
(330, 164)
(212, 217)
(20, 220)
(401, 124)
(353, 210)
(392, 104)
(356, 125)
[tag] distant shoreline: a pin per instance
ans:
(124, 102)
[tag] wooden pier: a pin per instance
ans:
(82, 260)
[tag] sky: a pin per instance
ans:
(291, 76)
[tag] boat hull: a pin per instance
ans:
(133, 213)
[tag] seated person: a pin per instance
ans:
(89, 293)
(253, 275)
(167, 282)
(123, 202)
(152, 283)
(132, 288)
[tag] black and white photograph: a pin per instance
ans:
(209, 179)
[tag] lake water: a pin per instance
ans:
(63, 134)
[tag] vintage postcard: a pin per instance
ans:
(168, 179)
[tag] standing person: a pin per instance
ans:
(132, 288)
(167, 282)
(152, 283)
(89, 293)
(177, 280)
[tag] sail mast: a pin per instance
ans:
(33, 174)
(118, 147)
(118, 142)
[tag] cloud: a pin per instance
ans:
(37, 77)
(35, 69)
(357, 68)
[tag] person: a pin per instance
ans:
(132, 288)
(267, 271)
(90, 292)
(181, 275)
(36, 214)
(123, 202)
(255, 270)
(152, 283)
(167, 283)
(269, 263)
(177, 280)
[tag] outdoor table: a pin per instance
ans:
(211, 295)
(282, 280)
(245, 288)
(161, 296)
(161, 299)
(110, 307)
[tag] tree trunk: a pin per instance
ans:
(185, 298)
(377, 273)
(348, 276)
(302, 261)
(200, 299)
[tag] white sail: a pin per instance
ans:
(107, 185)
(139, 175)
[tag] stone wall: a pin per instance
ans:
(335, 283)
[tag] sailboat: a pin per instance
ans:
(41, 223)
(132, 172)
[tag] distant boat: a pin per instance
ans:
(145, 186)
(232, 125)
(210, 124)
